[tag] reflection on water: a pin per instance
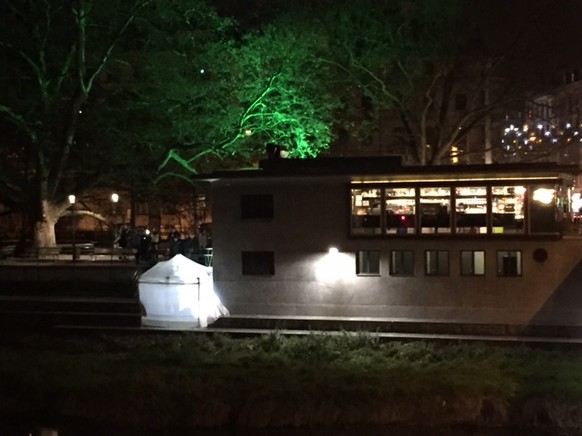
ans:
(98, 430)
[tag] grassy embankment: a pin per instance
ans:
(195, 381)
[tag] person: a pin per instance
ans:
(144, 249)
(187, 246)
(136, 243)
(174, 238)
(117, 239)
(202, 240)
(155, 243)
(124, 237)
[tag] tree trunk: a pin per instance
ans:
(44, 228)
(44, 234)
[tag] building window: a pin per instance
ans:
(435, 210)
(507, 209)
(484, 209)
(261, 263)
(366, 211)
(368, 263)
(437, 263)
(473, 263)
(400, 210)
(402, 263)
(257, 206)
(544, 209)
(471, 209)
(509, 263)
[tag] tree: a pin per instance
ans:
(242, 90)
(53, 56)
(417, 61)
(102, 92)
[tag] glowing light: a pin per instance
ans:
(114, 197)
(334, 267)
(333, 250)
(454, 154)
(543, 195)
(72, 199)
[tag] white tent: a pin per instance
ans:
(179, 293)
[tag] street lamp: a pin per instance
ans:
(114, 200)
(72, 200)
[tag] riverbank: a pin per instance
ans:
(201, 383)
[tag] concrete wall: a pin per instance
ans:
(80, 272)
(310, 218)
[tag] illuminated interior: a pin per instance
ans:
(458, 208)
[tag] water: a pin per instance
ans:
(93, 429)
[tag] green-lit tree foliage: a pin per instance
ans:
(229, 93)
(97, 92)
(54, 56)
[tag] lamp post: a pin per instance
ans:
(114, 200)
(72, 200)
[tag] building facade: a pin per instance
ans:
(369, 238)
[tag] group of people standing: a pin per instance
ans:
(186, 245)
(146, 245)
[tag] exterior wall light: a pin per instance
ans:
(334, 267)
(72, 199)
(114, 197)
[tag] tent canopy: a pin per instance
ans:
(179, 293)
(177, 270)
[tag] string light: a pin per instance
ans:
(536, 142)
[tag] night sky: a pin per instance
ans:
(545, 33)
(545, 30)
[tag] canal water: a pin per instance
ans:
(88, 429)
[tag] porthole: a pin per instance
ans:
(540, 255)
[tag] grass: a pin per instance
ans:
(272, 380)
